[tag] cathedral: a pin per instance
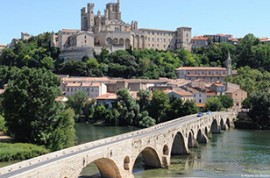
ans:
(111, 32)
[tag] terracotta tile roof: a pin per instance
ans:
(201, 68)
(264, 39)
(107, 96)
(179, 92)
(197, 38)
(183, 93)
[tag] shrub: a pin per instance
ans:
(20, 151)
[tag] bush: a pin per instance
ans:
(2, 124)
(20, 151)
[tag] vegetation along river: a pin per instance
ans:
(234, 153)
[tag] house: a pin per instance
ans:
(218, 87)
(237, 94)
(199, 95)
(180, 94)
(93, 90)
(106, 99)
(199, 42)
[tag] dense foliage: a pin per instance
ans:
(32, 115)
(20, 151)
(260, 109)
(147, 111)
(3, 127)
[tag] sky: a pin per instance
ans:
(236, 17)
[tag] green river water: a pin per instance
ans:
(234, 153)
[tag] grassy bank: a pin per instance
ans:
(20, 151)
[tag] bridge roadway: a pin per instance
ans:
(28, 165)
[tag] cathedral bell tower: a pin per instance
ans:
(229, 64)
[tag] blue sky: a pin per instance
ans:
(236, 17)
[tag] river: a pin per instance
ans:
(234, 153)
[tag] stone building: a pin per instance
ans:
(111, 32)
(209, 74)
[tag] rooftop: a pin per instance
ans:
(107, 96)
(201, 68)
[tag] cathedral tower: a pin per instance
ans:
(87, 17)
(229, 64)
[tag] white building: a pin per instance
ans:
(93, 90)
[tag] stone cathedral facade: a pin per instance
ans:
(111, 32)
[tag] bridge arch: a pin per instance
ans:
(228, 123)
(178, 146)
(150, 158)
(223, 125)
(107, 168)
(215, 127)
(192, 143)
(201, 138)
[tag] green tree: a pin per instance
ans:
(127, 107)
(102, 114)
(159, 106)
(260, 109)
(226, 101)
(213, 104)
(146, 120)
(29, 105)
(64, 134)
(78, 102)
(144, 99)
(189, 107)
(246, 103)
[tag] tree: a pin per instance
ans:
(144, 99)
(78, 102)
(64, 135)
(159, 106)
(213, 104)
(246, 103)
(189, 107)
(30, 109)
(146, 120)
(102, 114)
(260, 109)
(127, 107)
(226, 101)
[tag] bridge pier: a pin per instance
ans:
(201, 137)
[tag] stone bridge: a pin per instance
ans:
(116, 156)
